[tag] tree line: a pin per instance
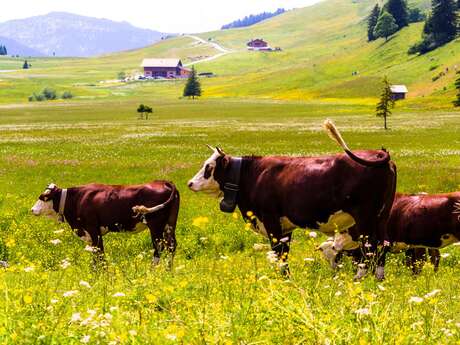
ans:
(252, 19)
(3, 50)
(441, 24)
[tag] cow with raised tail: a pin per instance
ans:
(348, 194)
(94, 210)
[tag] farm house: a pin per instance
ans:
(164, 68)
(258, 44)
(398, 92)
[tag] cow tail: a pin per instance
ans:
(143, 210)
(335, 135)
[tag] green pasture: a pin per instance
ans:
(222, 290)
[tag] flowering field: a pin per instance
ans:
(222, 289)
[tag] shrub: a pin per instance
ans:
(49, 93)
(67, 95)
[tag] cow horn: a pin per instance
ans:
(210, 147)
(221, 152)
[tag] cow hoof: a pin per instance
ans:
(362, 271)
(380, 273)
(155, 261)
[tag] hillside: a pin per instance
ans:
(16, 48)
(322, 46)
(68, 34)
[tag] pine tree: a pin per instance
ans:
(443, 21)
(457, 86)
(25, 65)
(193, 85)
(398, 9)
(372, 22)
(386, 102)
(386, 26)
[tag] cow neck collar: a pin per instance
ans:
(231, 186)
(62, 201)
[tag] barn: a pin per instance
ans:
(258, 44)
(164, 68)
(398, 92)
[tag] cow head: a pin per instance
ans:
(47, 202)
(213, 170)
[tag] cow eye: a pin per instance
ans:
(207, 171)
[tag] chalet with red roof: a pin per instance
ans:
(164, 68)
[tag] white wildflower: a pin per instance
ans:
(132, 332)
(284, 239)
(171, 337)
(363, 311)
(445, 255)
(118, 294)
(75, 317)
(113, 308)
(338, 293)
(272, 257)
(85, 339)
(56, 241)
(180, 268)
(54, 301)
(415, 299)
(70, 293)
(258, 247)
(29, 269)
(432, 293)
(85, 284)
(90, 249)
(91, 312)
(223, 257)
(108, 316)
(381, 287)
(65, 264)
(309, 259)
(313, 234)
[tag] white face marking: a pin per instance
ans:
(208, 185)
(44, 208)
(343, 241)
(328, 252)
(337, 222)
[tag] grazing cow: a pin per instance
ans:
(347, 193)
(420, 221)
(93, 210)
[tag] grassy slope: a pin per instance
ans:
(322, 46)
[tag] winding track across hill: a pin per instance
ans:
(223, 51)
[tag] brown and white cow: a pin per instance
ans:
(93, 210)
(419, 221)
(346, 193)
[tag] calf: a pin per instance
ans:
(93, 210)
(421, 221)
(347, 193)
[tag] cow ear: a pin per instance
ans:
(221, 152)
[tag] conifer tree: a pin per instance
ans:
(398, 9)
(386, 102)
(25, 65)
(372, 22)
(443, 21)
(193, 85)
(386, 26)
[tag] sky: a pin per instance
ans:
(172, 16)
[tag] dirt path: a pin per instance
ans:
(223, 51)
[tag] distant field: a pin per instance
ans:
(221, 290)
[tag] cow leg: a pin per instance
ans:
(157, 226)
(435, 256)
(418, 260)
(98, 247)
(280, 244)
(170, 230)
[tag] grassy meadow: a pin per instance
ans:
(222, 289)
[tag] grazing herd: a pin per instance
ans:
(350, 197)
